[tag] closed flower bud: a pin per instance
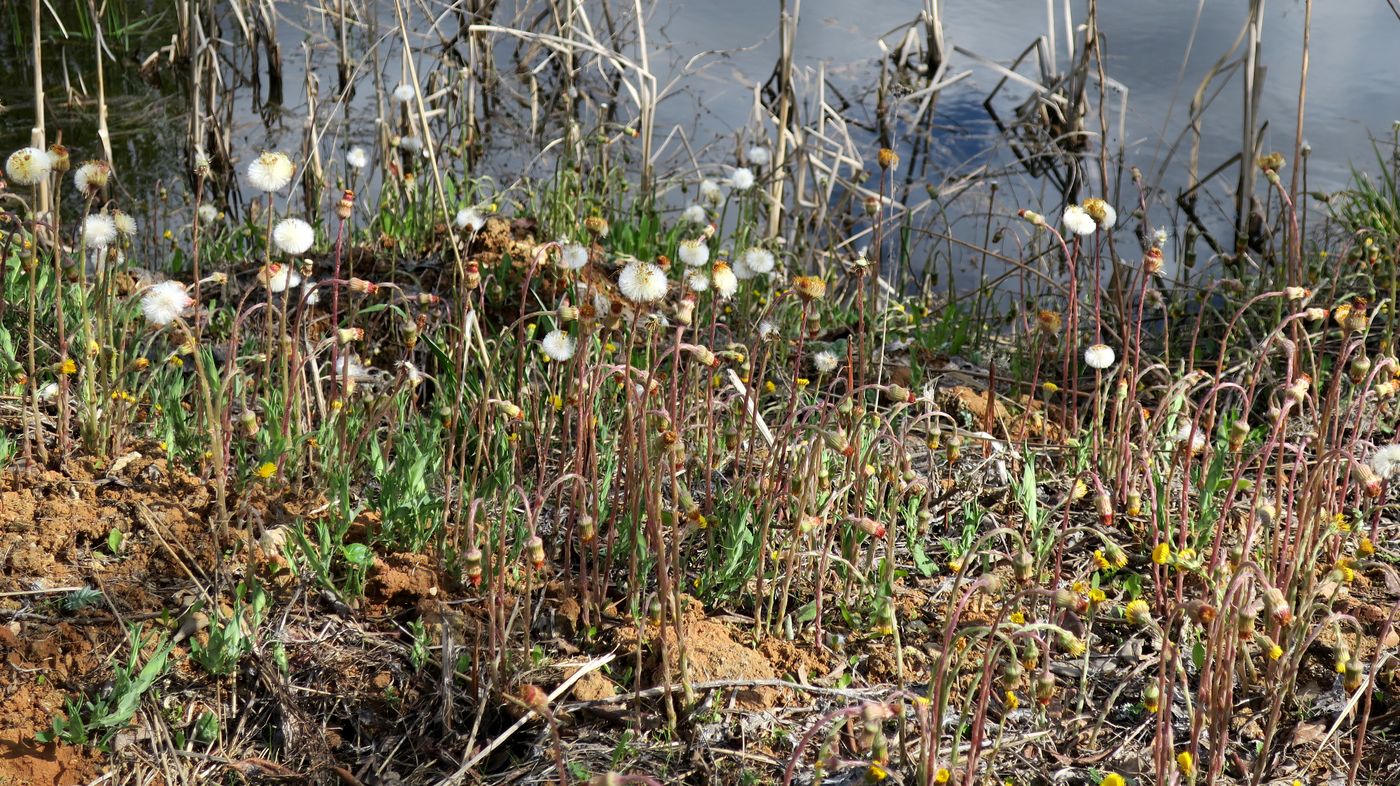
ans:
(1044, 687)
(1022, 565)
(1276, 606)
(472, 570)
(346, 205)
(1360, 367)
(1103, 505)
(1134, 503)
(534, 548)
(347, 335)
(248, 422)
(1239, 430)
(1351, 675)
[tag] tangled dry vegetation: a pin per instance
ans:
(567, 483)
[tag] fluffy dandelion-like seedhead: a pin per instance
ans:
(767, 330)
(1386, 461)
(293, 236)
(710, 191)
(470, 218)
(1099, 356)
(759, 260)
(208, 213)
(697, 281)
(742, 271)
(1078, 221)
(1159, 236)
(403, 93)
(271, 172)
(164, 302)
(28, 165)
(125, 224)
(741, 179)
(357, 158)
(1103, 213)
(573, 256)
(1190, 438)
(642, 282)
(558, 345)
(757, 155)
(91, 177)
(694, 252)
(695, 214)
(825, 362)
(726, 283)
(99, 230)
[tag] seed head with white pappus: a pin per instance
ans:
(741, 179)
(164, 302)
(271, 172)
(28, 165)
(357, 158)
(710, 192)
(726, 283)
(1099, 356)
(1079, 222)
(558, 345)
(573, 256)
(757, 155)
(99, 230)
(759, 260)
(695, 252)
(293, 236)
(91, 177)
(470, 219)
(642, 282)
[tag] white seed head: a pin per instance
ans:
(1386, 461)
(271, 172)
(710, 191)
(757, 155)
(574, 256)
(208, 213)
(91, 177)
(357, 158)
(470, 218)
(759, 260)
(726, 283)
(277, 278)
(164, 302)
(825, 362)
(698, 281)
(695, 214)
(99, 230)
(558, 345)
(1099, 356)
(28, 165)
(293, 236)
(642, 282)
(403, 93)
(741, 179)
(694, 252)
(126, 225)
(1079, 222)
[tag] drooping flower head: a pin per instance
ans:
(164, 302)
(694, 252)
(271, 172)
(278, 277)
(293, 236)
(1078, 221)
(28, 165)
(558, 345)
(1099, 356)
(642, 282)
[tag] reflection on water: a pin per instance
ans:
(1150, 50)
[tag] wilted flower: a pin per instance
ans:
(293, 236)
(1099, 356)
(694, 252)
(271, 172)
(28, 165)
(357, 158)
(809, 288)
(597, 226)
(1078, 221)
(164, 302)
(642, 282)
(558, 345)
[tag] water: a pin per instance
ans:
(1351, 95)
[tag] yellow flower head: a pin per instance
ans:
(68, 366)
(1113, 779)
(942, 776)
(266, 470)
(1161, 553)
(1100, 561)
(1186, 763)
